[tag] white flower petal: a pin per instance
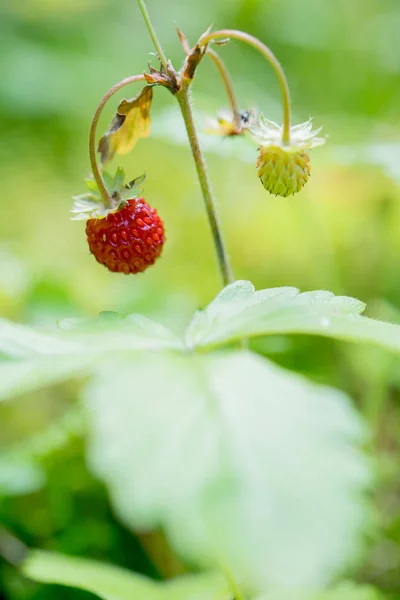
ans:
(306, 126)
(318, 142)
(266, 123)
(269, 133)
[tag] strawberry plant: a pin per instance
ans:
(258, 476)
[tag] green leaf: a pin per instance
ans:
(21, 376)
(207, 586)
(106, 581)
(344, 591)
(119, 333)
(239, 311)
(22, 341)
(260, 465)
(112, 583)
(39, 359)
(131, 332)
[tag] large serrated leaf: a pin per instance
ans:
(22, 341)
(121, 333)
(37, 359)
(239, 311)
(241, 462)
(112, 583)
(131, 332)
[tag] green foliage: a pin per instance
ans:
(344, 591)
(74, 351)
(110, 583)
(21, 376)
(239, 311)
(227, 444)
(18, 341)
(220, 440)
(341, 234)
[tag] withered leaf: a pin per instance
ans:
(154, 77)
(130, 123)
(165, 76)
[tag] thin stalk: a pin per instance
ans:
(223, 71)
(184, 102)
(271, 58)
(153, 34)
(92, 135)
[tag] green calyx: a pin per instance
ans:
(91, 204)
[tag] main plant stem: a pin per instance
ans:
(183, 97)
(271, 58)
(153, 35)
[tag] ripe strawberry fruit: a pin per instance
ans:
(129, 240)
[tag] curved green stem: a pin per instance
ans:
(223, 71)
(92, 135)
(271, 58)
(153, 34)
(223, 260)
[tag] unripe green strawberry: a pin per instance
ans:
(284, 165)
(129, 240)
(283, 173)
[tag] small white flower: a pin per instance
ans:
(302, 137)
(229, 125)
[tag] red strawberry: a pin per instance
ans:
(129, 240)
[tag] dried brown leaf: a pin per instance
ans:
(131, 122)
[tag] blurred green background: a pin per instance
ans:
(341, 233)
